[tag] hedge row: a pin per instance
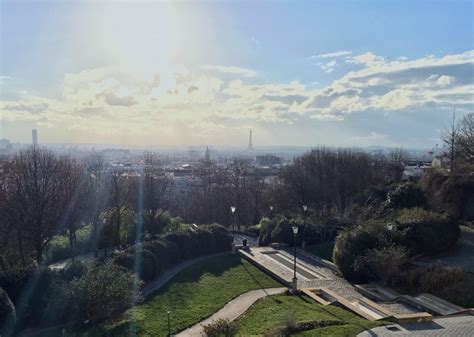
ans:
(149, 259)
(416, 230)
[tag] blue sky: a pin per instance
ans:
(346, 73)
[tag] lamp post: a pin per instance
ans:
(169, 324)
(232, 210)
(305, 208)
(271, 211)
(390, 229)
(295, 280)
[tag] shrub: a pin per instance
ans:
(184, 239)
(427, 232)
(27, 289)
(432, 279)
(222, 237)
(221, 328)
(204, 241)
(138, 260)
(416, 230)
(266, 227)
(353, 243)
(406, 195)
(102, 292)
(74, 270)
(385, 263)
(7, 314)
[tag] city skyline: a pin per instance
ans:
(183, 74)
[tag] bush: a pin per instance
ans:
(184, 239)
(432, 279)
(221, 328)
(222, 237)
(102, 292)
(416, 230)
(427, 232)
(139, 260)
(7, 314)
(405, 196)
(384, 264)
(353, 243)
(27, 289)
(74, 270)
(266, 227)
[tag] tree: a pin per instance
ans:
(155, 202)
(466, 138)
(97, 195)
(118, 202)
(37, 204)
(450, 137)
(76, 195)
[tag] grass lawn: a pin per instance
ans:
(323, 250)
(191, 296)
(275, 311)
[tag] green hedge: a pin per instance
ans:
(417, 230)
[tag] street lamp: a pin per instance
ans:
(232, 210)
(169, 324)
(295, 280)
(271, 211)
(305, 208)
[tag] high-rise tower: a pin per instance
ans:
(250, 147)
(34, 135)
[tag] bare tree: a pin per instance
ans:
(37, 202)
(76, 195)
(450, 137)
(466, 138)
(155, 201)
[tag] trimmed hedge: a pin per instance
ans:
(157, 255)
(405, 196)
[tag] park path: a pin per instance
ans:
(461, 254)
(231, 310)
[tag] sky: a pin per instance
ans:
(298, 73)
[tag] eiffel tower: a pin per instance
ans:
(250, 147)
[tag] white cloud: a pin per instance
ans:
(329, 66)
(231, 70)
(368, 59)
(186, 105)
(333, 54)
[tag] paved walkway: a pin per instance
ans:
(231, 310)
(462, 254)
(324, 275)
(458, 326)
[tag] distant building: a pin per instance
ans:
(268, 160)
(250, 147)
(5, 145)
(34, 136)
(441, 161)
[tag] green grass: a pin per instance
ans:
(192, 295)
(323, 250)
(274, 311)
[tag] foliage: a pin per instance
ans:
(221, 328)
(27, 289)
(58, 248)
(415, 230)
(431, 279)
(140, 261)
(406, 195)
(453, 193)
(103, 291)
(385, 263)
(7, 314)
(424, 232)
